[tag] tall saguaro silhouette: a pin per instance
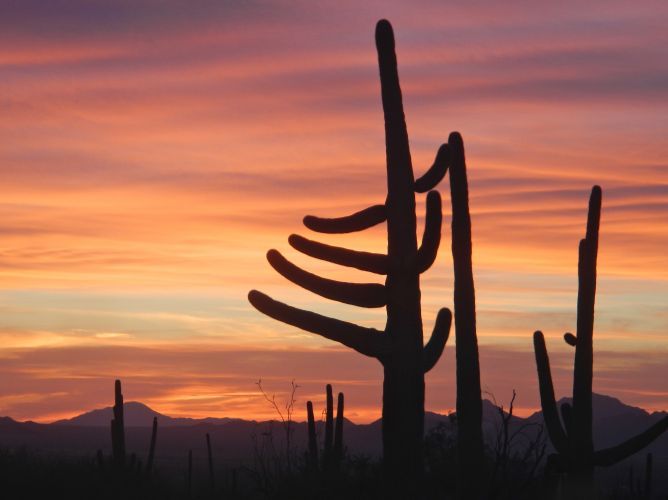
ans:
(399, 347)
(573, 441)
(118, 427)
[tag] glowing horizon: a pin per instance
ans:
(152, 155)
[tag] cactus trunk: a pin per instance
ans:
(151, 450)
(118, 428)
(312, 438)
(400, 346)
(469, 403)
(338, 431)
(329, 427)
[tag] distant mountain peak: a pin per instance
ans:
(136, 414)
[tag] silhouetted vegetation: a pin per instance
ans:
(400, 346)
(452, 460)
(575, 458)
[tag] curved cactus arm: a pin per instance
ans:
(436, 172)
(547, 401)
(611, 456)
(367, 341)
(434, 348)
(570, 339)
(357, 294)
(567, 417)
(365, 261)
(431, 237)
(359, 221)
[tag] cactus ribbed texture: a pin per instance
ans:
(118, 428)
(400, 346)
(573, 442)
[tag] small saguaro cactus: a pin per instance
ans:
(333, 444)
(329, 426)
(118, 428)
(312, 438)
(151, 450)
(399, 348)
(338, 431)
(573, 442)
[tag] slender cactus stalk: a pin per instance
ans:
(312, 438)
(118, 428)
(329, 428)
(573, 443)
(151, 450)
(338, 434)
(399, 347)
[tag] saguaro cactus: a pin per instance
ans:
(151, 449)
(338, 431)
(573, 442)
(329, 427)
(400, 346)
(312, 438)
(118, 428)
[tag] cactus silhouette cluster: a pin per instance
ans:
(573, 442)
(333, 446)
(400, 346)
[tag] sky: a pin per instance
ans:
(151, 152)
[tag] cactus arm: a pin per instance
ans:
(362, 295)
(567, 417)
(431, 238)
(359, 221)
(547, 401)
(365, 261)
(611, 456)
(367, 341)
(570, 339)
(436, 172)
(434, 348)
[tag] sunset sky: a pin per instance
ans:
(151, 152)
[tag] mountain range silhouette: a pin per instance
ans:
(85, 433)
